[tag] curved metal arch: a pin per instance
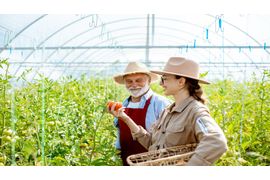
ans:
(59, 30)
(141, 18)
(111, 22)
(88, 57)
(169, 28)
(130, 27)
(171, 19)
(98, 26)
(54, 33)
(129, 35)
(242, 31)
(100, 58)
(128, 19)
(108, 40)
(22, 30)
(160, 33)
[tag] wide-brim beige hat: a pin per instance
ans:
(182, 67)
(135, 68)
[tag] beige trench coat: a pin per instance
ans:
(187, 123)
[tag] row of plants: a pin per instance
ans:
(64, 122)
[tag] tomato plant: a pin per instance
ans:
(64, 122)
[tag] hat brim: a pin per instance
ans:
(120, 78)
(167, 72)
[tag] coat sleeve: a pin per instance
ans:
(212, 142)
(143, 137)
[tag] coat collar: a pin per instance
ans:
(180, 107)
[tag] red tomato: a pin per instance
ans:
(109, 104)
(117, 106)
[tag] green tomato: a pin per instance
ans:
(7, 138)
(3, 158)
(51, 123)
(83, 145)
(7, 132)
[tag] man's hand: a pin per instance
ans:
(117, 111)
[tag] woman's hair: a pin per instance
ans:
(194, 89)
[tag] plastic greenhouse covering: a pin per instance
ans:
(101, 45)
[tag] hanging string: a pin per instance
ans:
(102, 31)
(7, 36)
(93, 22)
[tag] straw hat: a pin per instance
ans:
(182, 67)
(135, 68)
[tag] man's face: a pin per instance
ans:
(137, 84)
(134, 81)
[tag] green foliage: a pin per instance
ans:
(243, 112)
(78, 131)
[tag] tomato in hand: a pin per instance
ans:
(110, 104)
(117, 106)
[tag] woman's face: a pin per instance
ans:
(170, 84)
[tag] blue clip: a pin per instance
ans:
(206, 33)
(264, 46)
(194, 44)
(219, 23)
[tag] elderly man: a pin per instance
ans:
(143, 106)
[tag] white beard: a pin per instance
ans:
(137, 92)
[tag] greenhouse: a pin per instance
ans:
(56, 77)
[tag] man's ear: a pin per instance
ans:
(149, 78)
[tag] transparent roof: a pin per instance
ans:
(101, 45)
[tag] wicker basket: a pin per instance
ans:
(172, 156)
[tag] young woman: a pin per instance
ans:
(185, 121)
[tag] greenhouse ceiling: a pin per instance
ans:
(101, 45)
